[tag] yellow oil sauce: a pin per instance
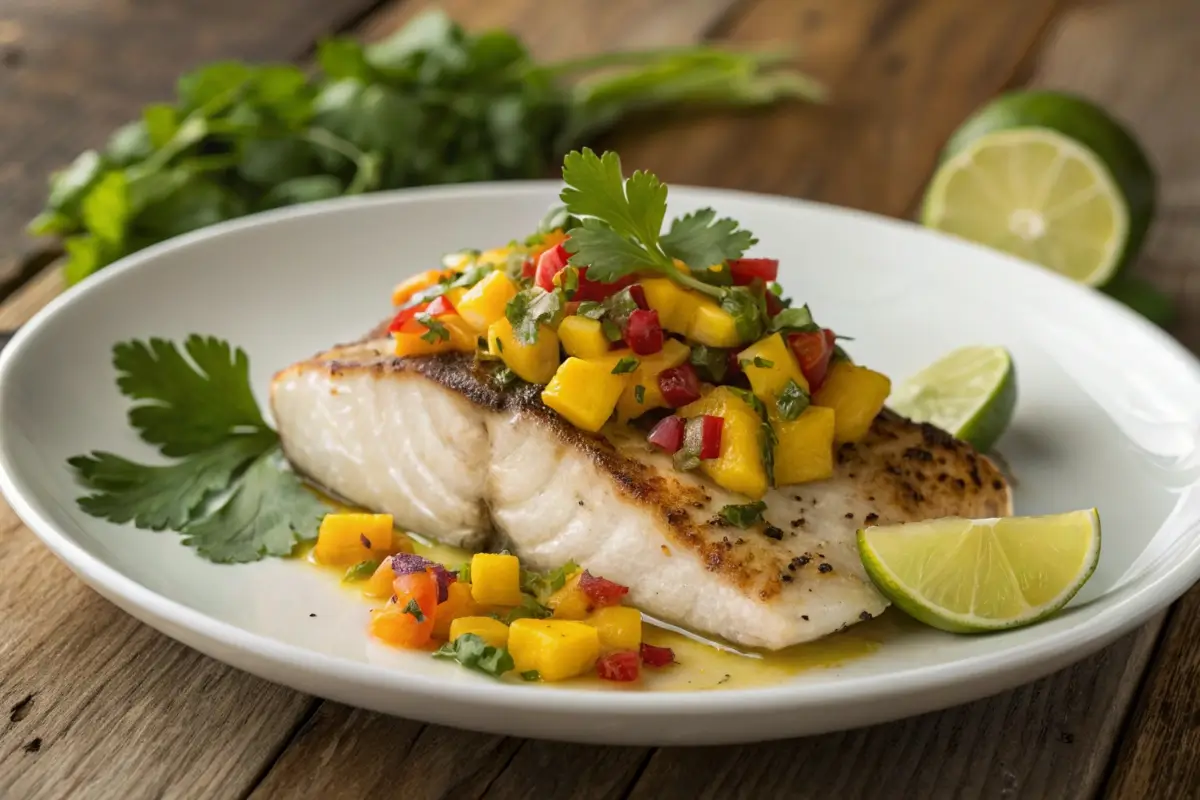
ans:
(701, 663)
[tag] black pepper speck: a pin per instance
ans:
(826, 567)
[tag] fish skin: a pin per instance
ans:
(511, 472)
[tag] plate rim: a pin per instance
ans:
(1128, 604)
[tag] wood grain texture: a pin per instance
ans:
(72, 71)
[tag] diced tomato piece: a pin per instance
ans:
(679, 385)
(653, 656)
(528, 268)
(397, 623)
(440, 305)
(667, 435)
(601, 591)
(597, 291)
(404, 315)
(639, 296)
(643, 332)
(745, 270)
(619, 666)
(710, 436)
(774, 304)
(419, 586)
(813, 349)
(550, 263)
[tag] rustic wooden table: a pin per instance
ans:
(99, 705)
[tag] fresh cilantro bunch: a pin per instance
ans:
(228, 490)
(430, 105)
(620, 234)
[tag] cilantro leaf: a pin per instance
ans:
(798, 318)
(436, 331)
(596, 187)
(162, 497)
(190, 406)
(639, 394)
(268, 514)
(530, 309)
(699, 241)
(543, 584)
(529, 609)
(473, 652)
(743, 516)
(791, 401)
(361, 571)
(414, 610)
(625, 365)
(531, 675)
(607, 254)
(590, 309)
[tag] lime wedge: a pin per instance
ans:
(969, 576)
(971, 393)
(1047, 177)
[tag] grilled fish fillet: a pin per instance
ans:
(433, 442)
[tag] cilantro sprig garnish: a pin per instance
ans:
(620, 233)
(228, 490)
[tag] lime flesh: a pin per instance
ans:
(970, 576)
(971, 393)
(1047, 177)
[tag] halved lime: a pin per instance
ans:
(970, 576)
(971, 393)
(1050, 178)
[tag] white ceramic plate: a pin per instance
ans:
(1108, 416)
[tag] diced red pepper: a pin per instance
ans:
(745, 270)
(550, 263)
(528, 268)
(440, 305)
(619, 666)
(653, 656)
(643, 332)
(601, 591)
(597, 291)
(813, 349)
(679, 385)
(710, 436)
(774, 304)
(667, 435)
(639, 296)
(404, 315)
(571, 307)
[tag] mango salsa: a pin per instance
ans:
(496, 579)
(619, 627)
(346, 539)
(492, 631)
(459, 602)
(769, 364)
(585, 392)
(582, 337)
(805, 448)
(557, 649)
(739, 467)
(856, 395)
(405, 290)
(484, 302)
(673, 354)
(570, 602)
(535, 362)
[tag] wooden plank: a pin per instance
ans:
(72, 71)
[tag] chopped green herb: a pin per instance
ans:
(556, 219)
(612, 331)
(570, 281)
(529, 609)
(768, 442)
(230, 492)
(504, 377)
(840, 355)
(361, 571)
(542, 585)
(743, 516)
(747, 309)
(620, 306)
(711, 363)
(639, 394)
(797, 319)
(763, 363)
(464, 572)
(791, 401)
(531, 675)
(499, 345)
(530, 309)
(590, 309)
(414, 610)
(437, 331)
(468, 278)
(473, 652)
(750, 398)
(625, 365)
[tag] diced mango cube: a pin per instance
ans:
(484, 303)
(535, 362)
(346, 539)
(856, 395)
(619, 627)
(414, 338)
(557, 649)
(671, 301)
(492, 631)
(582, 337)
(570, 602)
(379, 585)
(714, 326)
(805, 449)
(585, 392)
(769, 364)
(739, 466)
(673, 354)
(459, 602)
(496, 579)
(497, 255)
